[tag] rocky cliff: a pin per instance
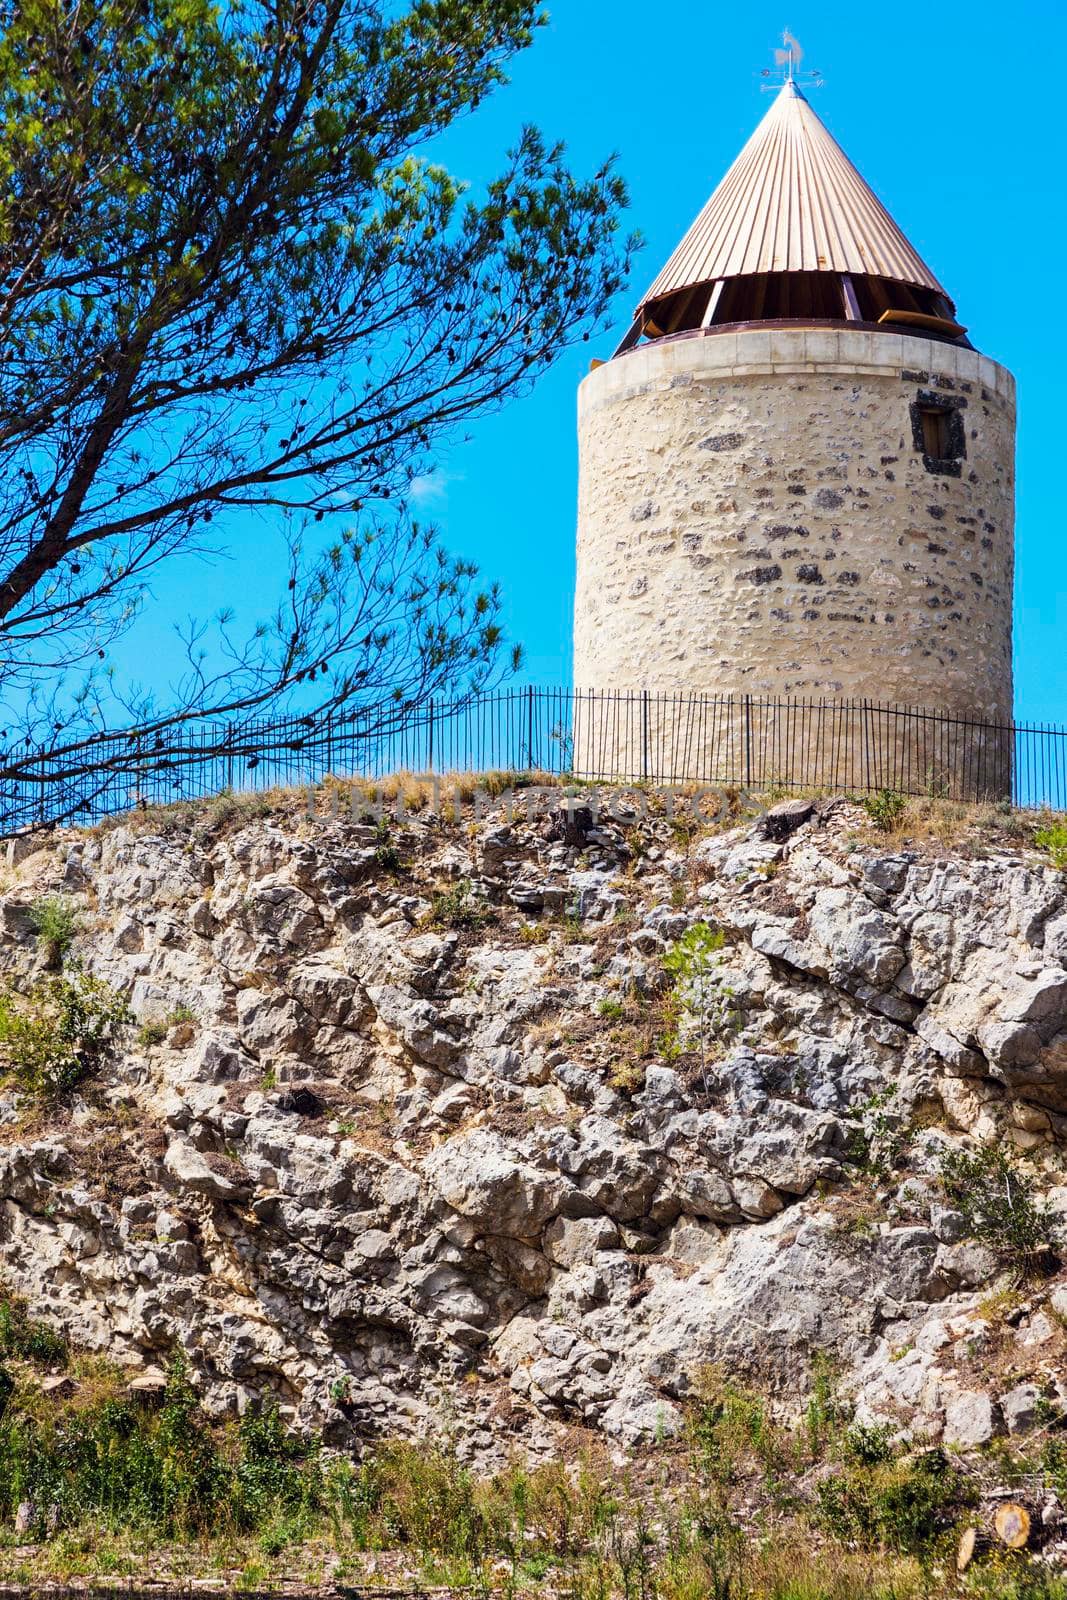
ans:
(515, 1127)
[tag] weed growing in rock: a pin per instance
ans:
(823, 1415)
(457, 907)
(55, 923)
(53, 1037)
(1000, 1205)
(1053, 840)
(731, 1431)
(387, 857)
(879, 1496)
(692, 963)
(155, 1029)
(878, 1140)
(611, 1009)
(885, 809)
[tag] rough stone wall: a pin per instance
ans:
(756, 515)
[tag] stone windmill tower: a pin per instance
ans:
(797, 474)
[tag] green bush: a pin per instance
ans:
(885, 808)
(24, 1340)
(154, 1030)
(1000, 1204)
(456, 907)
(692, 963)
(611, 1009)
(56, 1035)
(121, 1462)
(1053, 840)
(731, 1430)
(423, 1499)
(388, 858)
(55, 923)
(867, 1446)
(880, 1136)
(276, 1472)
(386, 855)
(902, 1504)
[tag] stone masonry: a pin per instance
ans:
(757, 515)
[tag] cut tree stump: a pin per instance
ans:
(966, 1549)
(1012, 1523)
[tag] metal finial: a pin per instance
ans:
(787, 59)
(790, 57)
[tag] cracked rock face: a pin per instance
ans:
(387, 1171)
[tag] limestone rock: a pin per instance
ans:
(194, 1171)
(1020, 1407)
(969, 1419)
(481, 1178)
(398, 1152)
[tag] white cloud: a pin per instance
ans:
(431, 488)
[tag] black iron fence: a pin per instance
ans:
(745, 740)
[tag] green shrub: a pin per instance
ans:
(123, 1463)
(1000, 1204)
(823, 1412)
(731, 1430)
(155, 1029)
(386, 855)
(428, 1501)
(456, 907)
(388, 858)
(1053, 840)
(692, 963)
(611, 1009)
(276, 1472)
(56, 1035)
(902, 1503)
(885, 808)
(880, 1136)
(425, 1500)
(24, 1340)
(867, 1446)
(55, 923)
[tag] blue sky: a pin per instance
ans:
(958, 128)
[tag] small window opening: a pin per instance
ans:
(935, 433)
(938, 431)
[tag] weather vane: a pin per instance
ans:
(786, 67)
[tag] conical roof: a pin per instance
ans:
(792, 202)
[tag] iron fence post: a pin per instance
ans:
(748, 740)
(644, 736)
